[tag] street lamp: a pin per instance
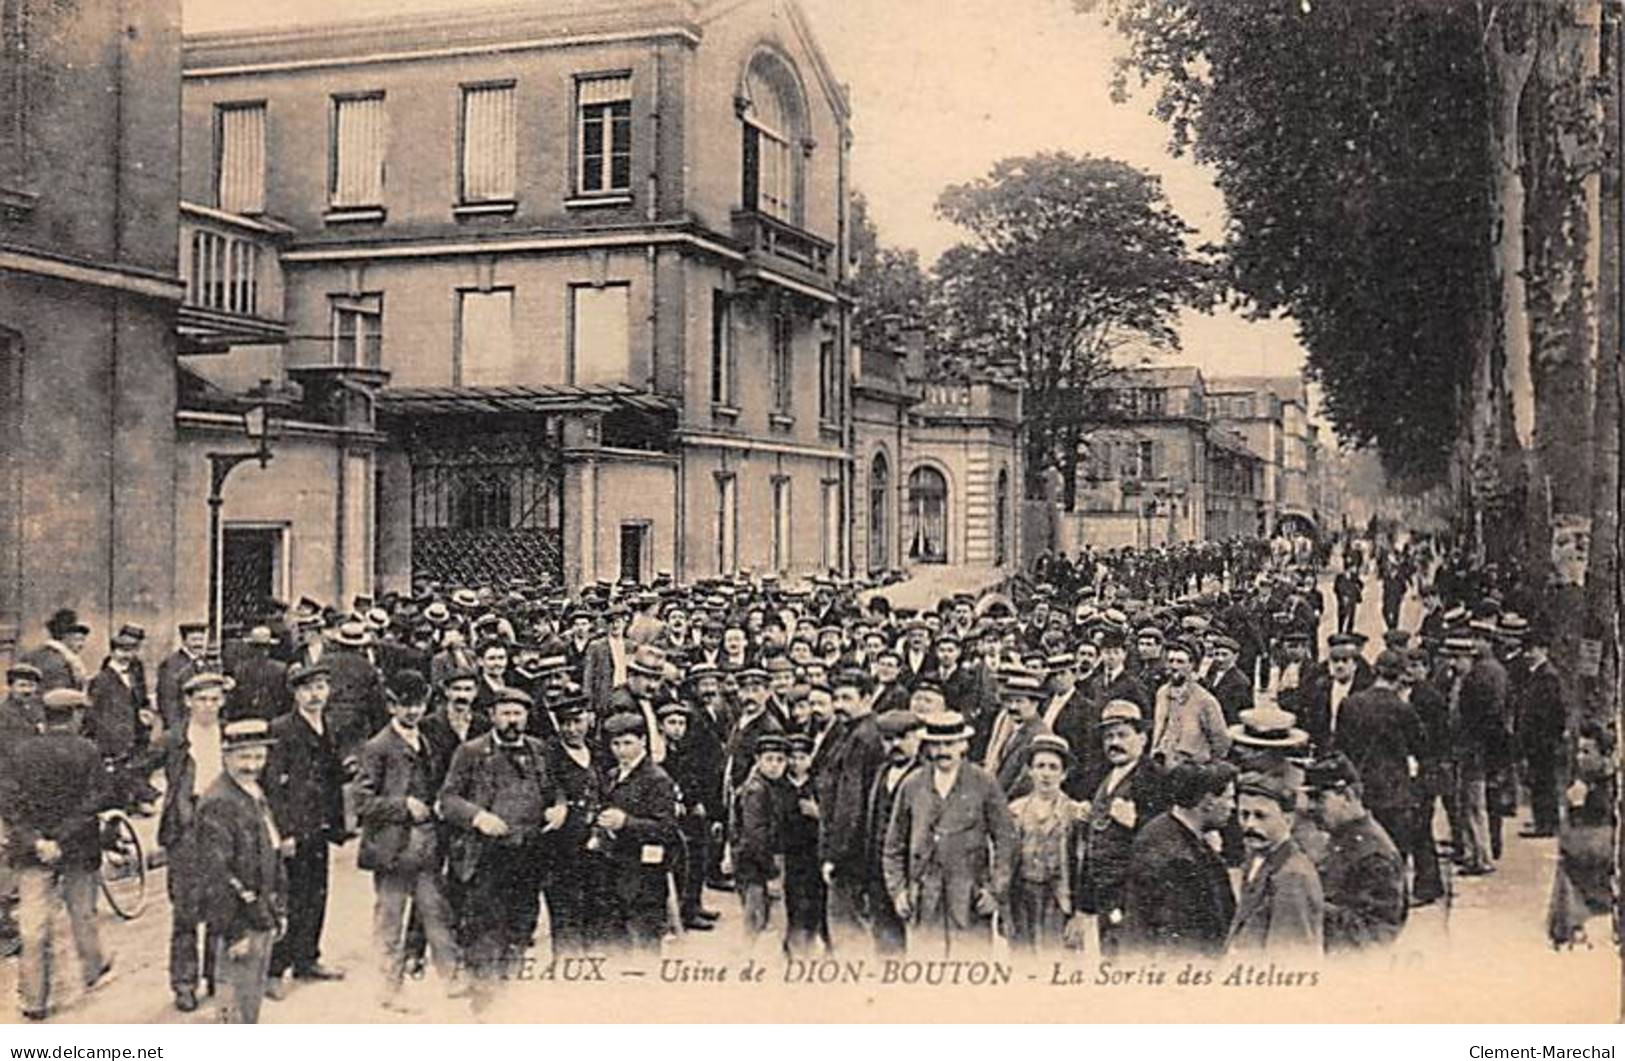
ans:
(256, 423)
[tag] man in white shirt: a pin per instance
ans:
(192, 764)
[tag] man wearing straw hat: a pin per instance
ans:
(246, 892)
(950, 845)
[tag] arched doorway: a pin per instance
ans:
(927, 516)
(1001, 519)
(879, 511)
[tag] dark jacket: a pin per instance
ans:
(1103, 845)
(54, 791)
(757, 829)
(55, 670)
(262, 687)
(19, 720)
(391, 770)
(1542, 714)
(582, 789)
(445, 741)
(512, 784)
(1362, 876)
(1379, 732)
(304, 780)
(111, 719)
(1233, 692)
(943, 850)
(173, 673)
(843, 808)
(1176, 896)
(648, 840)
(355, 708)
(238, 859)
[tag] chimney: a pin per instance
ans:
(913, 338)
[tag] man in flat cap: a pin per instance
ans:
(120, 720)
(52, 795)
(304, 782)
(192, 763)
(1177, 897)
(1383, 738)
(950, 845)
(1121, 800)
(637, 827)
(1232, 688)
(577, 765)
(1281, 909)
(695, 769)
(1188, 724)
(189, 658)
(1362, 873)
(400, 840)
(244, 895)
(500, 799)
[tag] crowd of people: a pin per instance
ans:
(1148, 751)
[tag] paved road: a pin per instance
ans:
(1493, 922)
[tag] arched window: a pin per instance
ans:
(1001, 519)
(927, 516)
(774, 122)
(879, 514)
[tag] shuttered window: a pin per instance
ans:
(241, 128)
(358, 151)
(485, 350)
(600, 334)
(490, 147)
(605, 136)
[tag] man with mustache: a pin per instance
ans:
(950, 845)
(1188, 724)
(1123, 800)
(1362, 872)
(1281, 909)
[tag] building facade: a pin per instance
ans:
(1272, 413)
(88, 296)
(563, 288)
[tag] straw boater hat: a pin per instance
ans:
(352, 633)
(1268, 726)
(948, 726)
(246, 733)
(1049, 742)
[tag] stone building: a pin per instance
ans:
(88, 295)
(1272, 413)
(561, 284)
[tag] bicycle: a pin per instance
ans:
(124, 865)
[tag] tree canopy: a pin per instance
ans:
(1066, 259)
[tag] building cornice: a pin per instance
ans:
(204, 421)
(790, 449)
(540, 242)
(116, 276)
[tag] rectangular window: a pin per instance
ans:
(829, 383)
(14, 85)
(634, 551)
(768, 171)
(727, 524)
(358, 330)
(600, 334)
(1148, 460)
(358, 151)
(722, 349)
(240, 150)
(832, 524)
(485, 351)
(604, 138)
(781, 524)
(783, 363)
(1153, 402)
(490, 145)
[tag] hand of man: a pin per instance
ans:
(901, 904)
(698, 810)
(612, 818)
(488, 824)
(418, 809)
(827, 871)
(239, 949)
(48, 851)
(986, 903)
(1577, 793)
(1123, 813)
(287, 847)
(553, 817)
(809, 807)
(1075, 933)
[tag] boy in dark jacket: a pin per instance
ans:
(758, 846)
(803, 886)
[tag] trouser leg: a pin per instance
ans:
(36, 907)
(429, 902)
(1543, 792)
(1475, 811)
(390, 892)
(300, 946)
(848, 932)
(79, 890)
(242, 978)
(183, 950)
(1429, 884)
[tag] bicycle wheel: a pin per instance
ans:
(124, 867)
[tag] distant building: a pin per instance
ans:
(88, 296)
(1272, 413)
(940, 470)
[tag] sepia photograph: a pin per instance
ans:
(810, 511)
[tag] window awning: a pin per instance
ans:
(497, 401)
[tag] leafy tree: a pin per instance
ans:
(1067, 260)
(888, 283)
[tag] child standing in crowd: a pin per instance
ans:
(1046, 820)
(803, 886)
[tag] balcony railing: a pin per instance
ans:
(779, 243)
(233, 276)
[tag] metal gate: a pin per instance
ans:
(487, 506)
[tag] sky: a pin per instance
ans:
(942, 89)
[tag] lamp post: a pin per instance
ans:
(256, 425)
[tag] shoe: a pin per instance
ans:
(697, 924)
(459, 989)
(1537, 834)
(709, 915)
(720, 885)
(416, 968)
(34, 1015)
(1418, 900)
(1475, 871)
(93, 982)
(186, 1000)
(276, 988)
(10, 946)
(318, 972)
